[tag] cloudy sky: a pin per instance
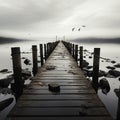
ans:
(48, 18)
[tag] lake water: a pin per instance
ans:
(107, 51)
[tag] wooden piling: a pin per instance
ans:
(81, 57)
(73, 52)
(118, 108)
(41, 54)
(17, 87)
(76, 53)
(34, 56)
(45, 52)
(48, 50)
(96, 65)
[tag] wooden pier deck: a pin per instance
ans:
(76, 100)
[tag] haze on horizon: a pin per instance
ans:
(33, 19)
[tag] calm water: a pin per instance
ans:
(107, 50)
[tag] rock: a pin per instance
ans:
(4, 70)
(85, 63)
(102, 73)
(5, 91)
(119, 79)
(23, 58)
(107, 60)
(109, 76)
(117, 92)
(117, 65)
(27, 61)
(6, 81)
(113, 61)
(104, 85)
(115, 73)
(5, 103)
(26, 74)
(89, 67)
(90, 73)
(110, 67)
(90, 57)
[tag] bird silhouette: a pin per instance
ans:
(79, 29)
(73, 29)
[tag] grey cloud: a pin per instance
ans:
(31, 12)
(24, 15)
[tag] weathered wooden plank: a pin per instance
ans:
(63, 87)
(75, 103)
(39, 92)
(59, 97)
(58, 112)
(41, 83)
(61, 118)
(79, 78)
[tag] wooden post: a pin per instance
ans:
(17, 70)
(73, 50)
(76, 53)
(81, 57)
(96, 65)
(34, 55)
(45, 52)
(41, 54)
(118, 108)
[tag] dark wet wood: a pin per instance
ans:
(76, 99)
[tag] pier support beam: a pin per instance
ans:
(45, 52)
(41, 54)
(96, 65)
(17, 86)
(76, 53)
(34, 55)
(81, 57)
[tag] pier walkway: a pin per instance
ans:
(76, 99)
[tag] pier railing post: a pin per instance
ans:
(81, 57)
(76, 53)
(34, 55)
(96, 65)
(73, 52)
(41, 54)
(45, 52)
(118, 109)
(17, 87)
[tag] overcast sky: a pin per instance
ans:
(48, 18)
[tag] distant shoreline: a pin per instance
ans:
(6, 40)
(96, 40)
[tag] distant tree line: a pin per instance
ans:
(97, 40)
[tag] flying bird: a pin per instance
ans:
(73, 29)
(79, 29)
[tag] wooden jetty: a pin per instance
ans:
(76, 99)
